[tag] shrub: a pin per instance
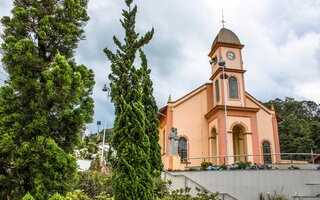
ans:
(28, 196)
(205, 165)
(274, 196)
(94, 183)
(223, 167)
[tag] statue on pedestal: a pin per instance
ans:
(173, 137)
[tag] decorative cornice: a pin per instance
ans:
(226, 70)
(230, 108)
(220, 44)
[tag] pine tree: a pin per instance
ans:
(131, 178)
(150, 109)
(46, 101)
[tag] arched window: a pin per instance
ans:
(183, 148)
(266, 150)
(164, 140)
(217, 91)
(233, 88)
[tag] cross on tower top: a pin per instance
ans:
(222, 21)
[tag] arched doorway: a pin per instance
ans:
(239, 142)
(266, 150)
(213, 144)
(183, 149)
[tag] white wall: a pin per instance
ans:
(247, 184)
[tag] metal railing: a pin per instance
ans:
(291, 157)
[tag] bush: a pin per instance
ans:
(274, 196)
(223, 167)
(183, 194)
(205, 165)
(161, 187)
(28, 196)
(94, 183)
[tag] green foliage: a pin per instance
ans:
(131, 177)
(46, 101)
(205, 165)
(273, 196)
(299, 132)
(150, 109)
(44, 169)
(243, 165)
(94, 183)
(183, 194)
(75, 195)
(223, 167)
(28, 196)
(161, 187)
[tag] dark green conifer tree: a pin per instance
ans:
(131, 178)
(46, 101)
(150, 109)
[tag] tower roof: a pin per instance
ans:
(226, 36)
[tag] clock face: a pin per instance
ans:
(231, 55)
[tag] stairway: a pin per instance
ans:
(181, 181)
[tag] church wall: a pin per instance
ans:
(251, 104)
(215, 102)
(265, 129)
(161, 138)
(213, 125)
(188, 118)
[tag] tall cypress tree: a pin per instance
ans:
(46, 102)
(131, 178)
(150, 109)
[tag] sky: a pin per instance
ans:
(281, 53)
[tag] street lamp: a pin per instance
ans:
(105, 89)
(222, 63)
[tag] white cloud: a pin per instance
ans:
(309, 91)
(281, 38)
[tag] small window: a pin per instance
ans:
(183, 149)
(217, 91)
(233, 88)
(164, 140)
(266, 150)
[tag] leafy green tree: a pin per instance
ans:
(300, 130)
(41, 168)
(315, 134)
(131, 178)
(150, 109)
(47, 95)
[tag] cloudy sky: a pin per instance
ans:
(281, 38)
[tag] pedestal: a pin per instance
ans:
(172, 162)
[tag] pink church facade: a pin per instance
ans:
(199, 116)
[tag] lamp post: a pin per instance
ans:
(98, 123)
(222, 63)
(105, 89)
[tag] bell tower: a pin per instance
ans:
(227, 46)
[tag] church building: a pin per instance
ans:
(220, 118)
